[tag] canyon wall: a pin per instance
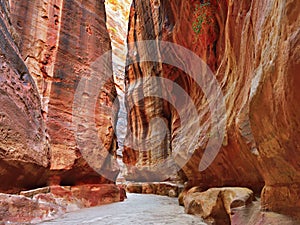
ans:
(23, 145)
(146, 117)
(48, 49)
(252, 48)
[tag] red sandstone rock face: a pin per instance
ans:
(144, 25)
(252, 48)
(88, 195)
(274, 103)
(60, 41)
(208, 43)
(23, 147)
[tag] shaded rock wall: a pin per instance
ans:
(23, 147)
(252, 48)
(58, 42)
(144, 24)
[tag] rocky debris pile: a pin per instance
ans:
(158, 188)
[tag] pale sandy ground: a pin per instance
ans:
(137, 209)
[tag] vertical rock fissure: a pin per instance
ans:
(117, 17)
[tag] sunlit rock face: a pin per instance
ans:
(252, 49)
(117, 14)
(47, 49)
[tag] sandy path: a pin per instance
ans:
(137, 209)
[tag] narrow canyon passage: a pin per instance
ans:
(161, 210)
(117, 18)
(191, 107)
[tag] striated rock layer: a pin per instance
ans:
(23, 147)
(48, 50)
(252, 47)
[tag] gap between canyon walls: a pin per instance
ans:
(117, 19)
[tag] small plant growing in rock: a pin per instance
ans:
(201, 17)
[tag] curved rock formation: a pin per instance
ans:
(252, 48)
(217, 202)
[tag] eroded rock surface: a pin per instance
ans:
(23, 147)
(71, 35)
(216, 203)
(19, 209)
(252, 47)
(60, 43)
(48, 50)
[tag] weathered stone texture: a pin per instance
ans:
(23, 146)
(252, 47)
(61, 42)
